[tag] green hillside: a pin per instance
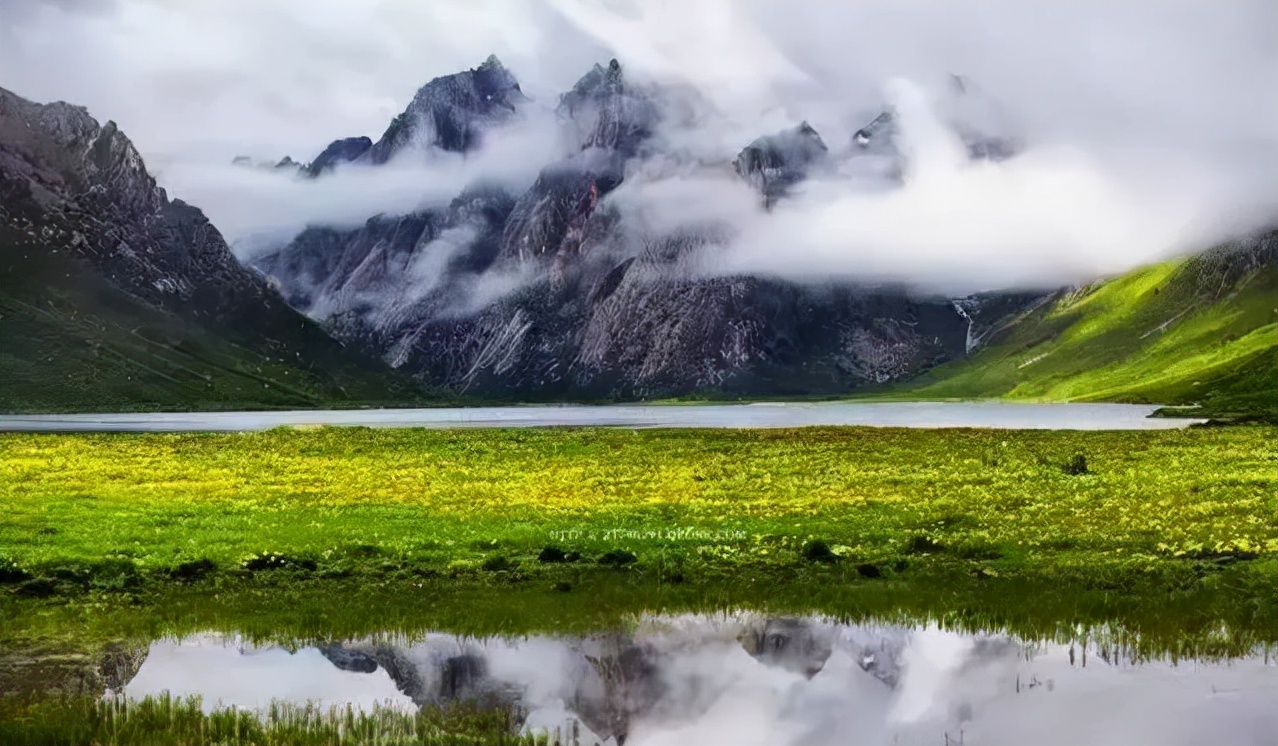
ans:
(70, 341)
(1196, 331)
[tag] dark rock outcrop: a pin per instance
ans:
(339, 151)
(775, 163)
(452, 112)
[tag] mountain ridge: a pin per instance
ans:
(102, 266)
(599, 310)
(544, 295)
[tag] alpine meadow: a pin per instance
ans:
(638, 373)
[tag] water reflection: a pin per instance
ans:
(753, 680)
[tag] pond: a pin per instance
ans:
(992, 414)
(746, 679)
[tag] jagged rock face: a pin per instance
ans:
(339, 151)
(70, 184)
(449, 113)
(452, 112)
(549, 219)
(607, 114)
(661, 331)
(381, 283)
(57, 165)
(879, 136)
(611, 122)
(598, 311)
(775, 163)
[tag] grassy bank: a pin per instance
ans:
(71, 721)
(595, 524)
(1198, 331)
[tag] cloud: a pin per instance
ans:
(1150, 128)
(257, 208)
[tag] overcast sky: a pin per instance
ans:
(1151, 126)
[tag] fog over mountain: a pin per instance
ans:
(1146, 128)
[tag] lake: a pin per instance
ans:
(998, 415)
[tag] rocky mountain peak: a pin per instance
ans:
(774, 163)
(608, 113)
(600, 82)
(344, 150)
(879, 136)
(451, 112)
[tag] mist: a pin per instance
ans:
(1149, 129)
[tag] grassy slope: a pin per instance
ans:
(1167, 334)
(72, 342)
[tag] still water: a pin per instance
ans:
(748, 679)
(1001, 415)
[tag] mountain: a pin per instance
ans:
(548, 294)
(1199, 331)
(450, 113)
(114, 295)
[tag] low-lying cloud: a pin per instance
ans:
(1148, 128)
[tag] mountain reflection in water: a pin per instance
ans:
(754, 680)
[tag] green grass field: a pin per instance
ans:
(591, 525)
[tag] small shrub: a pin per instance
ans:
(188, 572)
(552, 554)
(10, 573)
(278, 562)
(618, 558)
(498, 564)
(923, 544)
(1076, 466)
(819, 551)
(869, 571)
(37, 588)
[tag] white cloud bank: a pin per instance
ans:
(1151, 128)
